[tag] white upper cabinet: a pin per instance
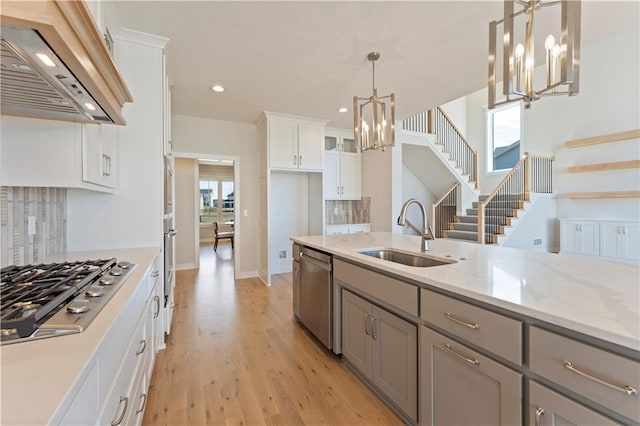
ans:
(295, 143)
(342, 172)
(99, 154)
(58, 154)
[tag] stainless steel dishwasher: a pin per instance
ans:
(316, 307)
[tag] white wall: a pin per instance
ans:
(194, 135)
(132, 217)
(457, 112)
(377, 184)
(537, 222)
(186, 172)
(288, 216)
(609, 101)
(412, 187)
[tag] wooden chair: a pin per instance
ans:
(221, 236)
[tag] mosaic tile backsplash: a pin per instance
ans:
(343, 212)
(49, 208)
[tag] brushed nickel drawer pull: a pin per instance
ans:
(373, 328)
(116, 422)
(367, 330)
(627, 389)
(450, 317)
(539, 412)
(143, 346)
(472, 361)
(144, 403)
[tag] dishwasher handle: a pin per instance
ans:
(304, 257)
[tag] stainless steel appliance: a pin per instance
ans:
(168, 184)
(35, 82)
(54, 299)
(169, 234)
(316, 306)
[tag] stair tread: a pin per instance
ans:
(461, 239)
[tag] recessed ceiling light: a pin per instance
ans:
(217, 88)
(90, 106)
(343, 109)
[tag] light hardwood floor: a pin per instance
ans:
(234, 356)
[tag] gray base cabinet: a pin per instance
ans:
(383, 347)
(462, 387)
(548, 408)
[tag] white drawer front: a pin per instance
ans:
(604, 377)
(494, 332)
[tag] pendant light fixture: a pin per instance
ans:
(562, 59)
(373, 123)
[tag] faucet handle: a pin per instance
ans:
(429, 234)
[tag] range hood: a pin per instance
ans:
(54, 64)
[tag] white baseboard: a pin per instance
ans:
(282, 268)
(246, 274)
(183, 266)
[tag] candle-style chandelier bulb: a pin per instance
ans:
(518, 62)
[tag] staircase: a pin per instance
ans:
(504, 215)
(492, 216)
(448, 143)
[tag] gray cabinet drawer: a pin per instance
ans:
(392, 292)
(596, 374)
(494, 332)
(548, 408)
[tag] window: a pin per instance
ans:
(216, 201)
(503, 138)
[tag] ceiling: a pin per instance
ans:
(309, 58)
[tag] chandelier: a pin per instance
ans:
(372, 128)
(562, 59)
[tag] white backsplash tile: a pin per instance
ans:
(49, 207)
(343, 212)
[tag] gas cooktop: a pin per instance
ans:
(54, 299)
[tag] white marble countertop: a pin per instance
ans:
(595, 297)
(37, 376)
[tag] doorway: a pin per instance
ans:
(216, 205)
(207, 191)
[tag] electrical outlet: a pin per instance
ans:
(537, 241)
(31, 225)
(282, 254)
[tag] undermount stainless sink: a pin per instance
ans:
(406, 258)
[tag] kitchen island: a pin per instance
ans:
(44, 380)
(502, 306)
